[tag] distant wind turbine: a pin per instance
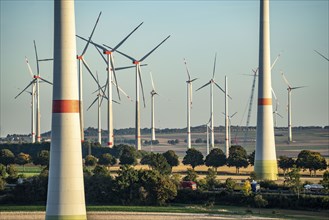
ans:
(275, 112)
(82, 61)
(153, 93)
(138, 77)
(289, 89)
(189, 104)
(111, 72)
(211, 83)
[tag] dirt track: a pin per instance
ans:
(128, 216)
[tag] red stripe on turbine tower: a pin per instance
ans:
(264, 101)
(66, 106)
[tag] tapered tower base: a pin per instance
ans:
(266, 169)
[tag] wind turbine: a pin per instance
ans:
(138, 77)
(100, 96)
(289, 89)
(153, 93)
(111, 71)
(229, 126)
(208, 127)
(32, 84)
(275, 112)
(82, 61)
(211, 83)
(189, 104)
(35, 95)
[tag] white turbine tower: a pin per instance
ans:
(138, 78)
(289, 89)
(265, 155)
(65, 197)
(189, 104)
(82, 61)
(111, 72)
(33, 85)
(227, 119)
(211, 83)
(153, 93)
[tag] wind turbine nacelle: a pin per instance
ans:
(107, 52)
(136, 62)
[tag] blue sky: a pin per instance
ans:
(198, 30)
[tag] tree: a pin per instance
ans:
(6, 157)
(230, 184)
(42, 158)
(237, 158)
(193, 157)
(285, 163)
(191, 175)
(3, 172)
(260, 202)
(171, 158)
(292, 179)
(101, 170)
(12, 174)
(251, 158)
(107, 160)
(23, 159)
(126, 184)
(325, 180)
(90, 160)
(157, 162)
(211, 180)
(215, 158)
(311, 160)
(246, 188)
(128, 156)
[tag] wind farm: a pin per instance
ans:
(131, 162)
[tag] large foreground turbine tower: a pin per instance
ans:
(66, 198)
(265, 157)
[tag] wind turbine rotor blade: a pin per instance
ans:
(321, 55)
(279, 115)
(25, 88)
(123, 54)
(233, 114)
(45, 80)
(273, 94)
(115, 102)
(102, 55)
(92, 75)
(285, 80)
(193, 79)
(188, 73)
(121, 90)
(91, 35)
(117, 46)
(49, 59)
(92, 103)
(29, 67)
(255, 71)
(91, 42)
(115, 77)
(276, 59)
(219, 87)
(152, 81)
(141, 84)
(203, 86)
(36, 57)
(149, 53)
(298, 87)
(213, 72)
